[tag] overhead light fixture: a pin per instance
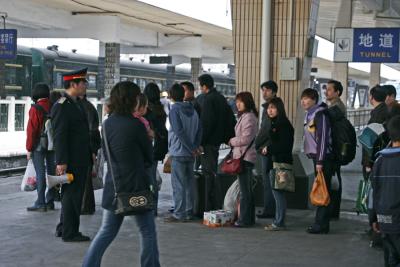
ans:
(182, 34)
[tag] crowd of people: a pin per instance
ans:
(141, 131)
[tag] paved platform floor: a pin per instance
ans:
(27, 239)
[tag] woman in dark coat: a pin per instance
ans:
(130, 150)
(157, 117)
(280, 150)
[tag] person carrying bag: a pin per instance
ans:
(280, 151)
(127, 186)
(244, 156)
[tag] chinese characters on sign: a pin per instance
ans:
(8, 44)
(377, 45)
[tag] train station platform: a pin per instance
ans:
(27, 239)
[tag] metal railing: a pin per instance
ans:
(359, 117)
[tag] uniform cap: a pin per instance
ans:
(77, 74)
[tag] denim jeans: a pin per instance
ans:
(152, 173)
(247, 208)
(280, 205)
(182, 179)
(269, 203)
(110, 226)
(42, 161)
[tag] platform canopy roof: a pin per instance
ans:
(139, 27)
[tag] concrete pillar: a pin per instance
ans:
(375, 74)
(341, 70)
(111, 67)
(2, 79)
(246, 29)
(196, 70)
(170, 76)
(101, 70)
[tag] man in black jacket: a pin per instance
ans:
(218, 124)
(72, 147)
(379, 114)
(263, 140)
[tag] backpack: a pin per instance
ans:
(230, 122)
(344, 138)
(46, 134)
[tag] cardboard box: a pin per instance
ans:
(218, 218)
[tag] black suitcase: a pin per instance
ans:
(199, 194)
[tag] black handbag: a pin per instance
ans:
(129, 203)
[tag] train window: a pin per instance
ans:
(11, 76)
(92, 81)
(3, 117)
(19, 117)
(59, 80)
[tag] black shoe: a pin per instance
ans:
(77, 238)
(50, 206)
(38, 209)
(317, 230)
(265, 216)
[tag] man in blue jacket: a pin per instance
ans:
(184, 139)
(386, 195)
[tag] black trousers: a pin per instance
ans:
(71, 203)
(88, 202)
(322, 216)
(336, 197)
(391, 248)
(209, 164)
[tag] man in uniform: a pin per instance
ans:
(72, 147)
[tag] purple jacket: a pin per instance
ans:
(245, 131)
(317, 133)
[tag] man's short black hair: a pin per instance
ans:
(207, 80)
(41, 90)
(378, 93)
(393, 128)
(390, 90)
(310, 93)
(176, 92)
(270, 85)
(189, 85)
(337, 86)
(67, 84)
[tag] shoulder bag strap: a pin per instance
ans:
(109, 166)
(247, 148)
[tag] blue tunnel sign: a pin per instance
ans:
(8, 43)
(378, 45)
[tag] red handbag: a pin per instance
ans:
(233, 166)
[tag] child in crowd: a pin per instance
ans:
(140, 111)
(386, 195)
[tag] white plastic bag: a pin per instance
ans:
(29, 180)
(231, 201)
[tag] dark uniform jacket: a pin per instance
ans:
(217, 119)
(386, 190)
(93, 120)
(71, 133)
(130, 149)
(282, 138)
